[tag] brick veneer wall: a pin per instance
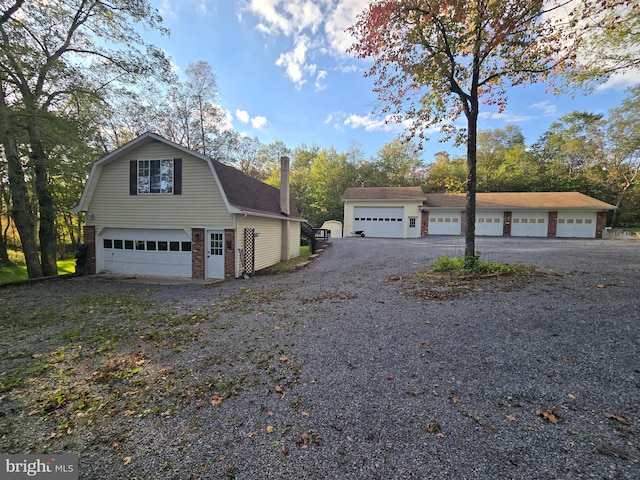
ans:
(601, 223)
(552, 225)
(229, 253)
(424, 223)
(506, 224)
(197, 253)
(90, 241)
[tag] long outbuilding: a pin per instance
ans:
(407, 212)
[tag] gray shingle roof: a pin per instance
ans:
(541, 200)
(250, 194)
(383, 193)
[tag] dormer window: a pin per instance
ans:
(155, 176)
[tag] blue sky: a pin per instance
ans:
(283, 74)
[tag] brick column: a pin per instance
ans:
(90, 242)
(197, 253)
(601, 223)
(229, 253)
(552, 227)
(506, 224)
(424, 223)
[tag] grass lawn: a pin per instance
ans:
(18, 273)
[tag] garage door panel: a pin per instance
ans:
(445, 223)
(144, 252)
(529, 224)
(379, 221)
(489, 223)
(576, 224)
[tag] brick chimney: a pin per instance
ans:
(284, 185)
(285, 248)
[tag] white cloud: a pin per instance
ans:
(341, 18)
(242, 115)
(329, 119)
(286, 16)
(320, 85)
(294, 62)
(620, 81)
(317, 28)
(258, 122)
(506, 117)
(548, 108)
(370, 123)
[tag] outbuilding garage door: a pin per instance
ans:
(144, 252)
(489, 223)
(445, 223)
(379, 221)
(529, 224)
(576, 224)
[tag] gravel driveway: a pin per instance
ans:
(339, 371)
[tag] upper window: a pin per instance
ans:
(155, 176)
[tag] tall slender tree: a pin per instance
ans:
(51, 51)
(434, 60)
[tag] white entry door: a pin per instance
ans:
(215, 254)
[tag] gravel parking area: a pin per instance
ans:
(337, 371)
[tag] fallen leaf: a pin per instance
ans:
(416, 393)
(617, 417)
(601, 285)
(284, 450)
(216, 400)
(425, 342)
(390, 378)
(434, 427)
(126, 460)
(284, 358)
(456, 400)
(270, 413)
(278, 388)
(548, 415)
(269, 429)
(252, 434)
(305, 414)
(511, 417)
(572, 396)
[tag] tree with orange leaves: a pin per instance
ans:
(436, 59)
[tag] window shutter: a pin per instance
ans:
(133, 177)
(177, 176)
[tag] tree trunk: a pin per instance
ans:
(4, 253)
(470, 232)
(22, 217)
(47, 231)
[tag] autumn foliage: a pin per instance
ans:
(434, 60)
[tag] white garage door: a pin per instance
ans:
(445, 222)
(379, 221)
(489, 223)
(576, 224)
(144, 252)
(529, 224)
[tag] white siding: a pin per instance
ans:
(200, 203)
(410, 208)
(267, 245)
(294, 240)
